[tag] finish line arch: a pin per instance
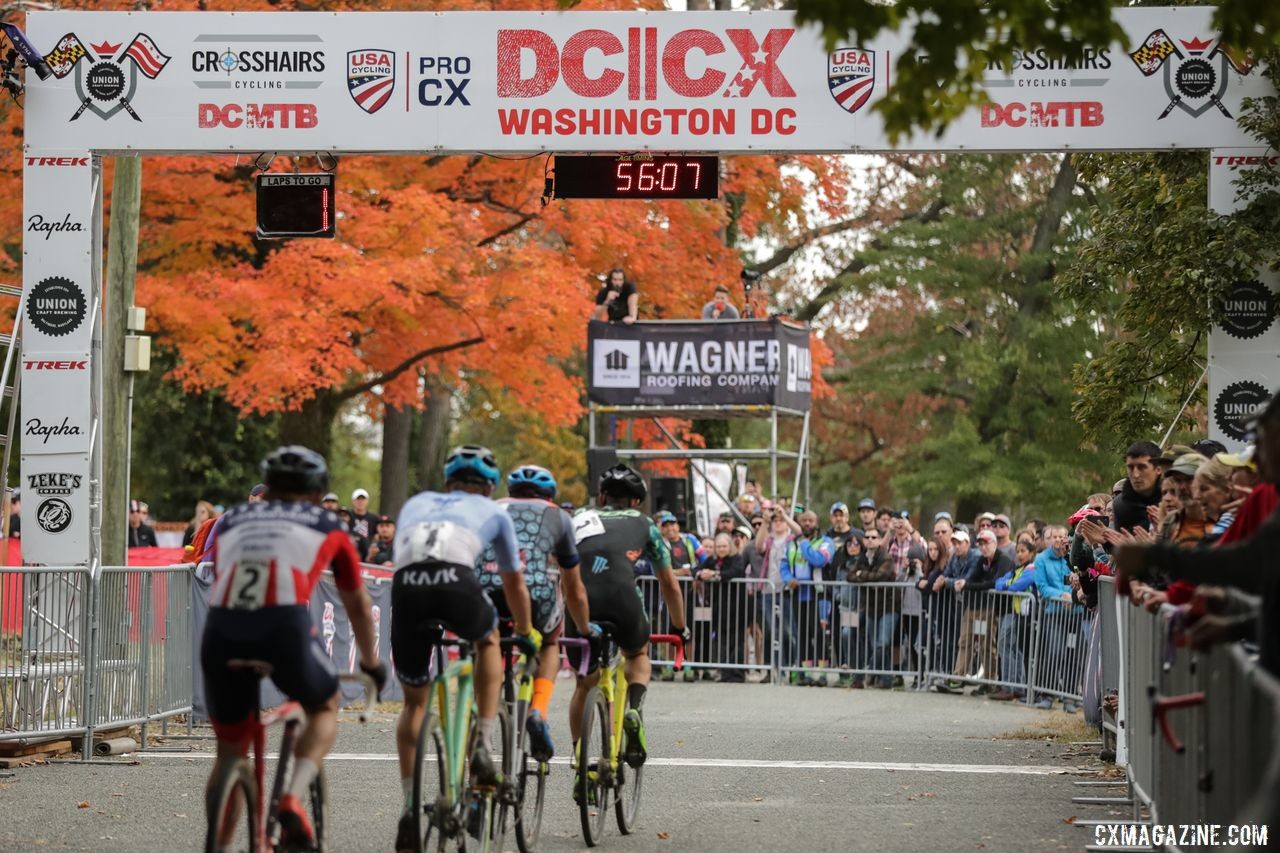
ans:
(153, 83)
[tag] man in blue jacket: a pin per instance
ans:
(802, 563)
(947, 607)
(1055, 594)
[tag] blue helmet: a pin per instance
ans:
(471, 463)
(534, 477)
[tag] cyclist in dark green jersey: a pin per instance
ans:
(611, 537)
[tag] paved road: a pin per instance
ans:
(737, 768)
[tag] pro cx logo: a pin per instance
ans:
(106, 76)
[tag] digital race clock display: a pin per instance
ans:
(637, 176)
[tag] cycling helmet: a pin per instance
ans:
(622, 482)
(295, 469)
(471, 463)
(532, 476)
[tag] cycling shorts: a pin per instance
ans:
(434, 592)
(283, 637)
(625, 610)
(550, 623)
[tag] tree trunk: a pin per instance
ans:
(312, 425)
(433, 437)
(397, 424)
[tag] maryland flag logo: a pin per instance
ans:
(1195, 75)
(106, 76)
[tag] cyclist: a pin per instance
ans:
(267, 557)
(545, 534)
(440, 539)
(611, 537)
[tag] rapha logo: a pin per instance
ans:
(617, 364)
(37, 224)
(1195, 75)
(37, 428)
(106, 76)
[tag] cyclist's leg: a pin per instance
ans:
(411, 651)
(230, 696)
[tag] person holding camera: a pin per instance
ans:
(719, 308)
(618, 300)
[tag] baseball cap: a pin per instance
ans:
(1187, 463)
(329, 497)
(962, 535)
(665, 517)
(987, 516)
(135, 505)
(386, 519)
(359, 493)
(903, 513)
(985, 536)
(839, 506)
(1208, 448)
(744, 530)
(1171, 453)
(1243, 459)
(1118, 487)
(938, 516)
(866, 503)
(1001, 519)
(258, 491)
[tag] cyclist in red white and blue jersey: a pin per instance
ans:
(267, 557)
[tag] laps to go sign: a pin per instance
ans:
(644, 177)
(296, 206)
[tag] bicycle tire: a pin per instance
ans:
(502, 801)
(318, 801)
(235, 779)
(528, 814)
(593, 767)
(626, 806)
(430, 769)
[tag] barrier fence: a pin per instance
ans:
(1219, 761)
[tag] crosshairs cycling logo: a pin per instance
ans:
(106, 76)
(1195, 75)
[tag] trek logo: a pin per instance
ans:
(1223, 160)
(106, 76)
(1043, 114)
(39, 225)
(599, 565)
(57, 161)
(428, 577)
(29, 364)
(1194, 80)
(258, 116)
(641, 61)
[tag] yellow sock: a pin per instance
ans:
(542, 688)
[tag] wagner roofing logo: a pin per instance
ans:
(1195, 75)
(106, 76)
(616, 364)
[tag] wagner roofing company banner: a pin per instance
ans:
(593, 81)
(726, 362)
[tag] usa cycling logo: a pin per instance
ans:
(851, 76)
(1195, 75)
(106, 76)
(371, 78)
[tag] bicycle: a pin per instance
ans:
(605, 779)
(448, 808)
(239, 790)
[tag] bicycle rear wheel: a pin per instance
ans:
(317, 796)
(231, 812)
(591, 786)
(626, 807)
(431, 808)
(531, 793)
(502, 801)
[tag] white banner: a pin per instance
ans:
(55, 509)
(57, 269)
(1244, 349)
(55, 403)
(593, 81)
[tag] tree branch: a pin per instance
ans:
(388, 376)
(785, 254)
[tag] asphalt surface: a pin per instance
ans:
(735, 768)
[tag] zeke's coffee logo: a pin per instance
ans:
(56, 306)
(37, 224)
(53, 483)
(851, 76)
(106, 76)
(1235, 403)
(53, 515)
(1196, 75)
(1249, 310)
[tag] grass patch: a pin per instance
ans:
(1056, 727)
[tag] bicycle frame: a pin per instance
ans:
(455, 716)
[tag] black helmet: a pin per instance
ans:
(295, 469)
(622, 482)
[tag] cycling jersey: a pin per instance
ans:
(440, 539)
(270, 554)
(545, 534)
(609, 543)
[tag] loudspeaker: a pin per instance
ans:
(599, 460)
(671, 494)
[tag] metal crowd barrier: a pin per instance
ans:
(1219, 761)
(82, 653)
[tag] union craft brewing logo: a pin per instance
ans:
(1236, 402)
(1196, 79)
(371, 78)
(56, 306)
(106, 76)
(851, 76)
(1249, 310)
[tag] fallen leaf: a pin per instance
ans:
(84, 804)
(757, 799)
(1071, 819)
(664, 835)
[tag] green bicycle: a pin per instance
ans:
(447, 809)
(602, 778)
